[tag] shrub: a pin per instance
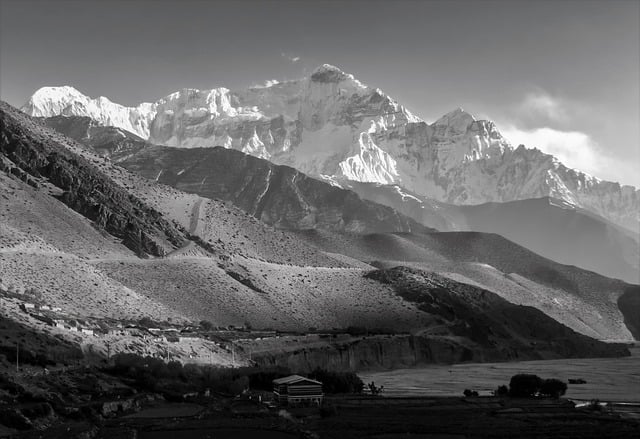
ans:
(553, 387)
(469, 393)
(375, 390)
(524, 385)
(501, 391)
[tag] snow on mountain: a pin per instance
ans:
(331, 125)
(67, 101)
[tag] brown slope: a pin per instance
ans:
(583, 300)
(277, 195)
(35, 152)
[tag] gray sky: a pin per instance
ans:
(560, 75)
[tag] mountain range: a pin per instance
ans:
(286, 198)
(332, 126)
(271, 208)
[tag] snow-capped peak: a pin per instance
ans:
(458, 119)
(51, 100)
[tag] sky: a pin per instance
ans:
(562, 76)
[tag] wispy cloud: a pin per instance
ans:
(542, 107)
(266, 84)
(576, 150)
(292, 58)
(560, 126)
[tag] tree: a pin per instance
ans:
(375, 390)
(524, 385)
(553, 387)
(469, 393)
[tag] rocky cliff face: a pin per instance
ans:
(277, 195)
(331, 125)
(39, 155)
(107, 141)
(404, 351)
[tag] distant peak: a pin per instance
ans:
(329, 73)
(56, 92)
(454, 115)
(327, 68)
(458, 119)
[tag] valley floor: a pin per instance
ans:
(607, 379)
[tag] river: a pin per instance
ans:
(608, 379)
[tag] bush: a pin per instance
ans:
(501, 391)
(524, 385)
(469, 393)
(553, 387)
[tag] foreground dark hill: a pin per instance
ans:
(549, 227)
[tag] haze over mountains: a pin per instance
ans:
(330, 125)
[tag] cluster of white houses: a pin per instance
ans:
(36, 311)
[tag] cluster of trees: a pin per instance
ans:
(175, 379)
(527, 385)
(338, 382)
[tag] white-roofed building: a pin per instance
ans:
(296, 390)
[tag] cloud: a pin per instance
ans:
(292, 58)
(542, 105)
(266, 84)
(540, 109)
(576, 150)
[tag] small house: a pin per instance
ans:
(296, 390)
(26, 307)
(87, 331)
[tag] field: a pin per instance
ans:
(608, 379)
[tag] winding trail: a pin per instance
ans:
(195, 217)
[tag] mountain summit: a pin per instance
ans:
(332, 126)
